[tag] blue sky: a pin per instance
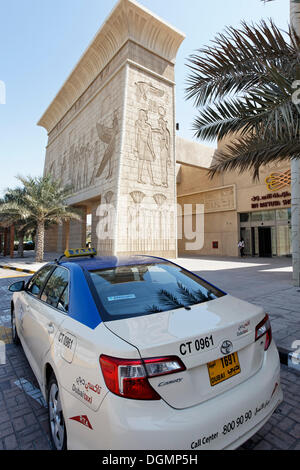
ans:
(42, 40)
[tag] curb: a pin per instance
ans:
(3, 266)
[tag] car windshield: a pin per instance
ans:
(142, 289)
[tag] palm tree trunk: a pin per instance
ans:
(295, 171)
(39, 251)
(21, 244)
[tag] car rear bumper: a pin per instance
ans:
(224, 422)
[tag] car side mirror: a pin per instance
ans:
(17, 286)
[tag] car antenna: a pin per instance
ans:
(57, 261)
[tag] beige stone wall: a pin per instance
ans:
(111, 136)
(146, 211)
(85, 154)
(220, 224)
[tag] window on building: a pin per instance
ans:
(268, 216)
(245, 217)
(257, 216)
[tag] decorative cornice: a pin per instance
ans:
(127, 21)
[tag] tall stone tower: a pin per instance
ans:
(111, 136)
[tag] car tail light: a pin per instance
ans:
(129, 378)
(264, 328)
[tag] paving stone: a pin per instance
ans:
(10, 442)
(286, 424)
(6, 429)
(295, 431)
(263, 445)
(4, 416)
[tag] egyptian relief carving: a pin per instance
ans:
(164, 137)
(144, 146)
(144, 90)
(148, 228)
(108, 136)
(106, 218)
(215, 200)
(147, 134)
(82, 164)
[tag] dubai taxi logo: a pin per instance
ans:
(2, 353)
(278, 180)
(2, 92)
(226, 347)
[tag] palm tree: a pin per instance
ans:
(42, 204)
(243, 85)
(16, 217)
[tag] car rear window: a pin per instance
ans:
(143, 289)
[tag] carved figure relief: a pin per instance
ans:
(145, 151)
(108, 136)
(81, 163)
(144, 146)
(152, 136)
(165, 156)
(144, 89)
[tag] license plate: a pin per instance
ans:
(224, 368)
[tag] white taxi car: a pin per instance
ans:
(139, 353)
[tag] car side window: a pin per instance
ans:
(36, 283)
(56, 292)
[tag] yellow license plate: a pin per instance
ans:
(224, 368)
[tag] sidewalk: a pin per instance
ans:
(26, 263)
(262, 281)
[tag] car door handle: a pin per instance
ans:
(50, 328)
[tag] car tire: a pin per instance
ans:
(57, 426)
(14, 332)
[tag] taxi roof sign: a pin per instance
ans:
(76, 252)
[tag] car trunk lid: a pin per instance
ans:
(199, 336)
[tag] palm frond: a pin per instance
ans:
(243, 84)
(237, 61)
(249, 153)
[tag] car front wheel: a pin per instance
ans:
(56, 418)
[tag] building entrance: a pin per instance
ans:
(264, 242)
(266, 233)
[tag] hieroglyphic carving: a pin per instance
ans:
(165, 156)
(144, 146)
(144, 89)
(108, 136)
(215, 200)
(81, 163)
(152, 140)
(148, 227)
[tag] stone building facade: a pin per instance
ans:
(235, 207)
(111, 137)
